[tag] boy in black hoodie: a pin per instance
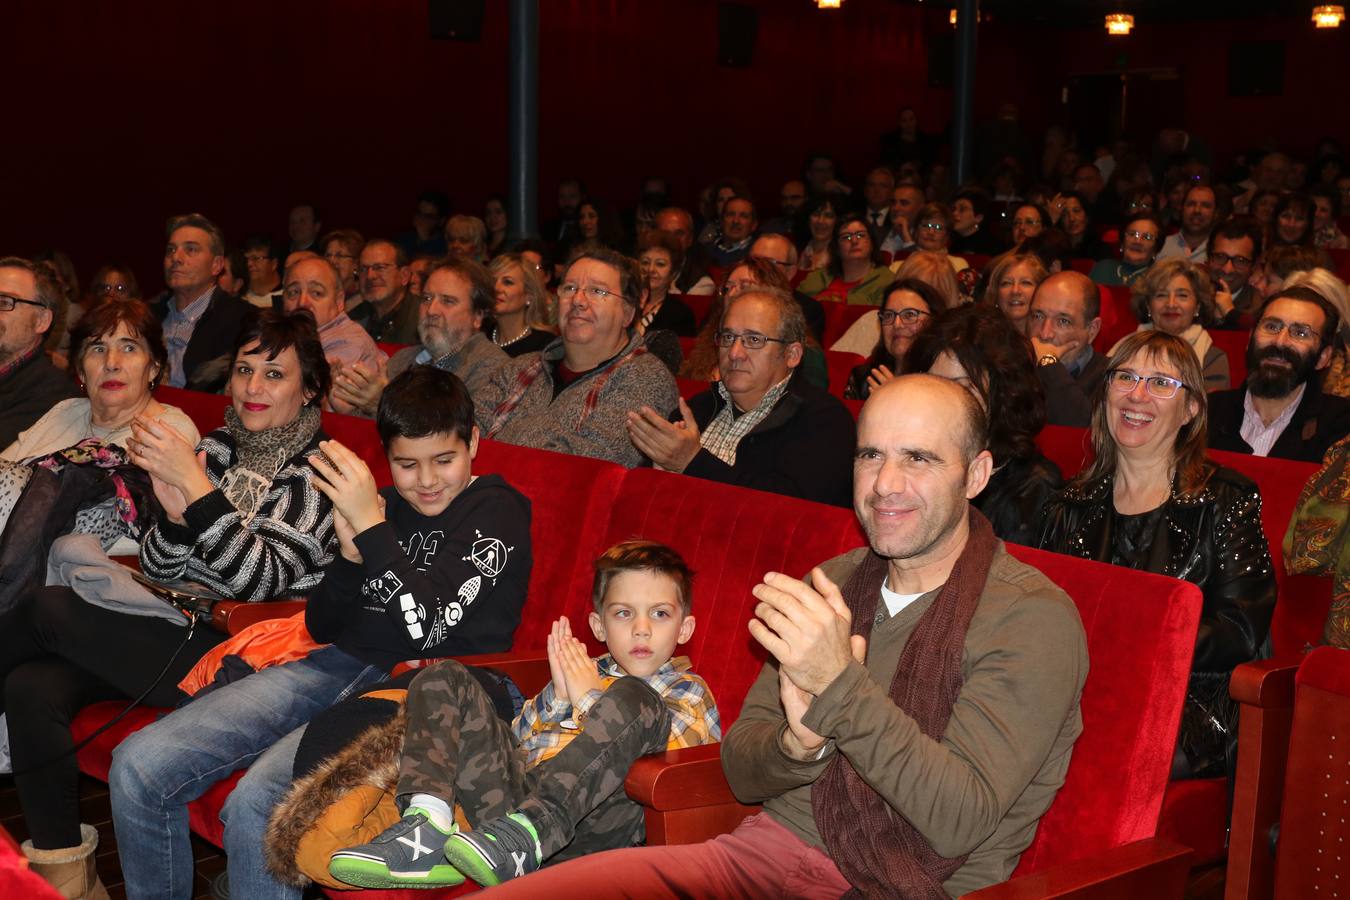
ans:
(438, 564)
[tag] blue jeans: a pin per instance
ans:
(158, 770)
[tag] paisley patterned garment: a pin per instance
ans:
(1316, 541)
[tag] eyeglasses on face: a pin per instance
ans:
(103, 289)
(750, 340)
(337, 254)
(853, 236)
(1159, 386)
(377, 268)
(1222, 259)
(1141, 235)
(593, 292)
(933, 226)
(907, 316)
(7, 302)
(1297, 330)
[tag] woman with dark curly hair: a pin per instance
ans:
(980, 349)
(1151, 500)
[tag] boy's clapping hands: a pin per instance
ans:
(571, 666)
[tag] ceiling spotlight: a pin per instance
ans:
(1119, 23)
(1328, 16)
(828, 4)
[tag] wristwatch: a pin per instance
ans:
(1049, 359)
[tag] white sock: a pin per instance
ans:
(437, 810)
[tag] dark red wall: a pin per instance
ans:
(124, 113)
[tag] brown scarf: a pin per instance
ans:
(878, 851)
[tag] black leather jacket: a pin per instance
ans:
(1016, 494)
(1213, 540)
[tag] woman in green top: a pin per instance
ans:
(1140, 240)
(854, 273)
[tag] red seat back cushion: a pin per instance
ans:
(1141, 636)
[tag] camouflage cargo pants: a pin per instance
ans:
(457, 748)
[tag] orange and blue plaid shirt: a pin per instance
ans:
(548, 723)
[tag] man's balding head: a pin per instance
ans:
(677, 223)
(915, 472)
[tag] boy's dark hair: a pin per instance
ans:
(424, 401)
(642, 556)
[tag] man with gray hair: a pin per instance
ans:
(200, 320)
(29, 384)
(313, 283)
(763, 425)
(457, 296)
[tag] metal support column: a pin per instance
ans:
(522, 155)
(963, 132)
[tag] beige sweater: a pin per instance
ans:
(982, 789)
(67, 423)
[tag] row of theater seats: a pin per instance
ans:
(1140, 627)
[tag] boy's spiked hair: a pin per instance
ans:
(642, 556)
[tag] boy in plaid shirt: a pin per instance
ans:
(553, 780)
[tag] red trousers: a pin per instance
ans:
(759, 859)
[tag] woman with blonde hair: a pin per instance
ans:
(1153, 501)
(519, 306)
(1336, 378)
(931, 268)
(1013, 278)
(1176, 297)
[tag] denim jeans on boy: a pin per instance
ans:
(158, 770)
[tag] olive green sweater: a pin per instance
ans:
(982, 789)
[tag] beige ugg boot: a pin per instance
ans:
(71, 869)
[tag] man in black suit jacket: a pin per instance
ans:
(1281, 410)
(200, 320)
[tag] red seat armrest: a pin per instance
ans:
(1147, 868)
(687, 778)
(1267, 683)
(233, 616)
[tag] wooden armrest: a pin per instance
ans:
(1149, 868)
(233, 616)
(1267, 683)
(680, 779)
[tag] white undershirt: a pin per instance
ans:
(896, 602)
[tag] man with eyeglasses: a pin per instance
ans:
(1198, 214)
(200, 319)
(574, 395)
(1064, 320)
(264, 275)
(780, 251)
(1234, 248)
(1281, 410)
(762, 425)
(389, 313)
(29, 384)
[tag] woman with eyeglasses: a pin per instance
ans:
(1151, 500)
(1140, 241)
(908, 309)
(1028, 220)
(933, 233)
(855, 273)
(977, 347)
(1176, 296)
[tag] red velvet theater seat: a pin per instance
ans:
(1234, 346)
(839, 317)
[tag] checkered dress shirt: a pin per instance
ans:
(723, 434)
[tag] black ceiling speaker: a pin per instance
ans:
(736, 27)
(455, 20)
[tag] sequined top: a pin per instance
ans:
(1212, 539)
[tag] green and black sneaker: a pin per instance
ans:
(498, 850)
(407, 854)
